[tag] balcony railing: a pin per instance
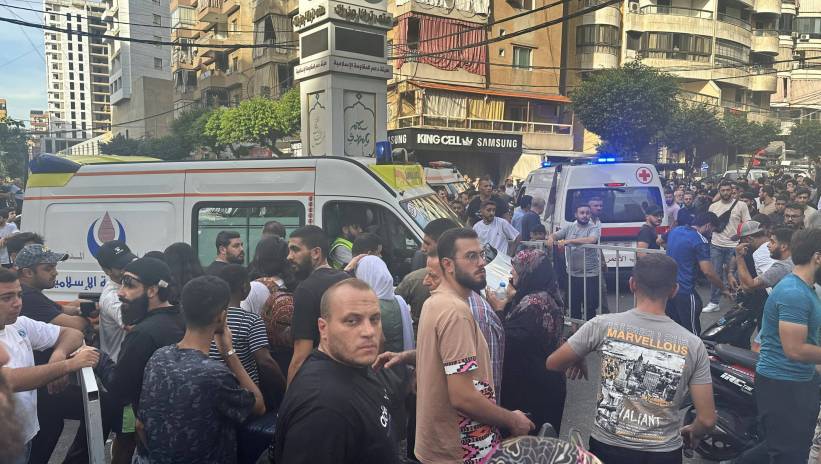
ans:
(203, 4)
(499, 125)
(598, 48)
(676, 11)
(765, 32)
(725, 18)
(673, 55)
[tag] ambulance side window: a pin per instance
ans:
(247, 218)
(398, 243)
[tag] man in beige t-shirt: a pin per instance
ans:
(723, 243)
(457, 418)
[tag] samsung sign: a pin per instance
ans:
(422, 139)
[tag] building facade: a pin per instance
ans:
(38, 126)
(3, 111)
(209, 69)
(484, 106)
(77, 73)
(140, 73)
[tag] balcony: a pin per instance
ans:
(671, 19)
(216, 42)
(266, 55)
(598, 56)
(765, 41)
(212, 78)
(768, 6)
(229, 7)
(534, 134)
(209, 12)
(763, 80)
(734, 29)
(462, 11)
(739, 75)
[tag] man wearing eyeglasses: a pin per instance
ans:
(144, 294)
(794, 216)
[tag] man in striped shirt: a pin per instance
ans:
(249, 337)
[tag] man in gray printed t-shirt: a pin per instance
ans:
(648, 365)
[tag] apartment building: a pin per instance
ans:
(722, 51)
(77, 72)
(209, 69)
(3, 111)
(485, 106)
(140, 73)
(38, 126)
(798, 93)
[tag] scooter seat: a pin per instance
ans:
(737, 355)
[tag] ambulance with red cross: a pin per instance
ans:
(626, 191)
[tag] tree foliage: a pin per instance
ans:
(695, 130)
(627, 107)
(748, 136)
(167, 148)
(805, 138)
(258, 121)
(13, 148)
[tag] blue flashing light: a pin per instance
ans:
(383, 153)
(605, 160)
(546, 164)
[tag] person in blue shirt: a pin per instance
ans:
(786, 383)
(690, 249)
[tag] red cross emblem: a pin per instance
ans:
(644, 175)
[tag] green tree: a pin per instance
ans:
(13, 148)
(748, 136)
(167, 148)
(627, 106)
(258, 121)
(695, 130)
(805, 138)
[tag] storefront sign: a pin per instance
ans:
(423, 139)
(357, 14)
(342, 65)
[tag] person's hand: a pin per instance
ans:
(223, 340)
(577, 371)
(691, 440)
(741, 249)
(549, 242)
(495, 302)
(389, 359)
(732, 283)
(354, 262)
(521, 425)
(82, 358)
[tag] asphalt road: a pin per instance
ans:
(581, 394)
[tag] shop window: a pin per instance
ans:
(246, 218)
(398, 243)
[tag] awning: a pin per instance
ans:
(494, 92)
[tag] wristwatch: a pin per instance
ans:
(230, 353)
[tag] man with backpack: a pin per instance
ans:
(731, 213)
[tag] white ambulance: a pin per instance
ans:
(444, 174)
(627, 191)
(79, 203)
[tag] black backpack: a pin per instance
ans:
(724, 219)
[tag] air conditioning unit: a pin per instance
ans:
(804, 37)
(633, 7)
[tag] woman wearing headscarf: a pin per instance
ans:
(533, 322)
(372, 270)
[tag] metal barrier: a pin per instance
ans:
(598, 249)
(93, 416)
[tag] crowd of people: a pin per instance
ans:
(311, 353)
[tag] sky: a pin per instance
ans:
(22, 68)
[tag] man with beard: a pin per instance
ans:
(648, 238)
(457, 416)
(730, 213)
(671, 208)
(337, 410)
(230, 250)
(786, 384)
(308, 254)
(20, 336)
(794, 216)
(766, 200)
(688, 211)
(341, 251)
(494, 231)
(583, 265)
(146, 287)
(802, 198)
(781, 202)
(485, 194)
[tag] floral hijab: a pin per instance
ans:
(536, 292)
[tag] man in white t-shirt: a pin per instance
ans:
(113, 256)
(19, 336)
(7, 229)
(494, 231)
(724, 241)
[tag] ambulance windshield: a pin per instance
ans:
(427, 208)
(620, 204)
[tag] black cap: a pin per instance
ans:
(705, 218)
(150, 271)
(654, 210)
(114, 254)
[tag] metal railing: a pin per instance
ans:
(620, 252)
(93, 416)
(500, 125)
(765, 32)
(676, 11)
(726, 18)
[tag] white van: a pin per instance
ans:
(79, 203)
(444, 174)
(753, 174)
(538, 182)
(627, 190)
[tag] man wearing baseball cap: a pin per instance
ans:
(112, 257)
(648, 237)
(144, 293)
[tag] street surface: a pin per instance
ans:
(581, 394)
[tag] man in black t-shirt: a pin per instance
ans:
(647, 235)
(230, 250)
(337, 411)
(308, 254)
(485, 194)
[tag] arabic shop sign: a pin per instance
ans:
(423, 139)
(343, 12)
